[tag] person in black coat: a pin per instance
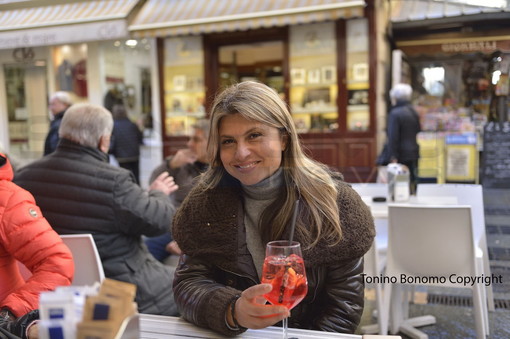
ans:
(59, 103)
(403, 126)
(126, 141)
(80, 192)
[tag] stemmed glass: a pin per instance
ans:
(284, 268)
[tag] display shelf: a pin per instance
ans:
(357, 108)
(186, 91)
(197, 115)
(315, 110)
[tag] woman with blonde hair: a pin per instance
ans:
(246, 198)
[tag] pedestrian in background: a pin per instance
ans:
(403, 127)
(59, 103)
(126, 141)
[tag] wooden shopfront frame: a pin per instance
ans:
(351, 152)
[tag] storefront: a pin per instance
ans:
(317, 55)
(458, 66)
(81, 47)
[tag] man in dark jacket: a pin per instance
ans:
(126, 141)
(59, 103)
(80, 192)
(185, 166)
(403, 126)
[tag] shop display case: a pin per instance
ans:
(184, 85)
(358, 111)
(313, 75)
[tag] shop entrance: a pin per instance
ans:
(232, 57)
(26, 87)
(260, 62)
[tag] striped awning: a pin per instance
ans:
(185, 17)
(64, 22)
(403, 11)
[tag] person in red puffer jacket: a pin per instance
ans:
(27, 237)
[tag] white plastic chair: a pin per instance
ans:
(471, 195)
(87, 263)
(375, 258)
(373, 267)
(431, 241)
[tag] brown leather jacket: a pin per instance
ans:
(209, 228)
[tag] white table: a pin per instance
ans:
(380, 209)
(161, 327)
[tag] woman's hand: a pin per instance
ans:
(33, 332)
(252, 311)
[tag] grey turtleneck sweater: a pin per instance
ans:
(256, 198)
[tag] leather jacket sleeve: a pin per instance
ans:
(200, 298)
(343, 298)
(19, 326)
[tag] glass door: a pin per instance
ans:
(258, 61)
(27, 103)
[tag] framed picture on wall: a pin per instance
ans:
(328, 74)
(297, 76)
(179, 82)
(314, 76)
(360, 72)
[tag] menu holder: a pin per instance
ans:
(130, 328)
(496, 155)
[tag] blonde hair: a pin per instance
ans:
(304, 178)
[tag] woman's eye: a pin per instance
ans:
(255, 135)
(227, 141)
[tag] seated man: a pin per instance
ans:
(80, 192)
(184, 166)
(26, 237)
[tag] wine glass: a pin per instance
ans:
(284, 269)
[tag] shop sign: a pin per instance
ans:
(424, 47)
(72, 33)
(23, 54)
(469, 46)
(461, 157)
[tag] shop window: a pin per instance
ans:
(433, 80)
(358, 112)
(26, 102)
(184, 84)
(313, 91)
(258, 61)
(70, 64)
(462, 93)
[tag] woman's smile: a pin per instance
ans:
(250, 151)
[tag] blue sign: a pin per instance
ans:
(461, 139)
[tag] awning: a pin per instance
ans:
(412, 11)
(184, 17)
(64, 22)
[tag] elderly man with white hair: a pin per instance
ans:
(59, 103)
(80, 192)
(403, 126)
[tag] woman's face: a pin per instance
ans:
(250, 151)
